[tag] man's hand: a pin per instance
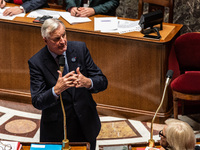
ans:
(74, 11)
(13, 11)
(82, 11)
(2, 4)
(82, 81)
(65, 82)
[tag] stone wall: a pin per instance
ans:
(186, 12)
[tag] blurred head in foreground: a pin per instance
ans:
(177, 135)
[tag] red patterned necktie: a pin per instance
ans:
(19, 2)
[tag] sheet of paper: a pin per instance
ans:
(6, 144)
(114, 25)
(9, 17)
(105, 24)
(125, 26)
(42, 12)
(73, 20)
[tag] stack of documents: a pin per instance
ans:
(42, 12)
(114, 25)
(14, 145)
(73, 20)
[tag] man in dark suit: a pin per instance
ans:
(47, 83)
(25, 6)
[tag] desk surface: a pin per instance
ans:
(73, 145)
(168, 32)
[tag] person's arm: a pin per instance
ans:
(33, 4)
(72, 3)
(92, 72)
(42, 96)
(42, 84)
(110, 5)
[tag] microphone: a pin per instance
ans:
(151, 142)
(61, 61)
(169, 76)
(65, 142)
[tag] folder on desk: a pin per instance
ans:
(73, 20)
(45, 147)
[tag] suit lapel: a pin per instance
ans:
(52, 66)
(50, 63)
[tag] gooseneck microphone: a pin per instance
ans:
(151, 142)
(61, 61)
(65, 142)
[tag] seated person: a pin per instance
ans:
(177, 135)
(80, 8)
(25, 6)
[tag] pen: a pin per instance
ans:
(76, 12)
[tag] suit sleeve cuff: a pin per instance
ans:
(91, 84)
(54, 94)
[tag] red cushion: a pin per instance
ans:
(187, 49)
(188, 83)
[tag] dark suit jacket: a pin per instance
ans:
(43, 76)
(30, 5)
(104, 7)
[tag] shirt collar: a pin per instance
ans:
(55, 55)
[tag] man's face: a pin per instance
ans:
(163, 140)
(57, 42)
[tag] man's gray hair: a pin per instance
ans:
(49, 26)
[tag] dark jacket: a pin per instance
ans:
(30, 5)
(104, 7)
(43, 76)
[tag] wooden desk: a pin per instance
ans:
(141, 145)
(135, 66)
(74, 146)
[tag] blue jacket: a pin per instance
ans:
(30, 5)
(104, 7)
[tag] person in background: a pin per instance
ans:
(47, 83)
(25, 6)
(177, 135)
(87, 8)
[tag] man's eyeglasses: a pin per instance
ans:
(161, 134)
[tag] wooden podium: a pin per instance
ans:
(74, 145)
(134, 66)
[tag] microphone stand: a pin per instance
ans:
(65, 141)
(151, 142)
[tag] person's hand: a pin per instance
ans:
(65, 82)
(74, 11)
(85, 12)
(2, 4)
(82, 81)
(13, 11)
